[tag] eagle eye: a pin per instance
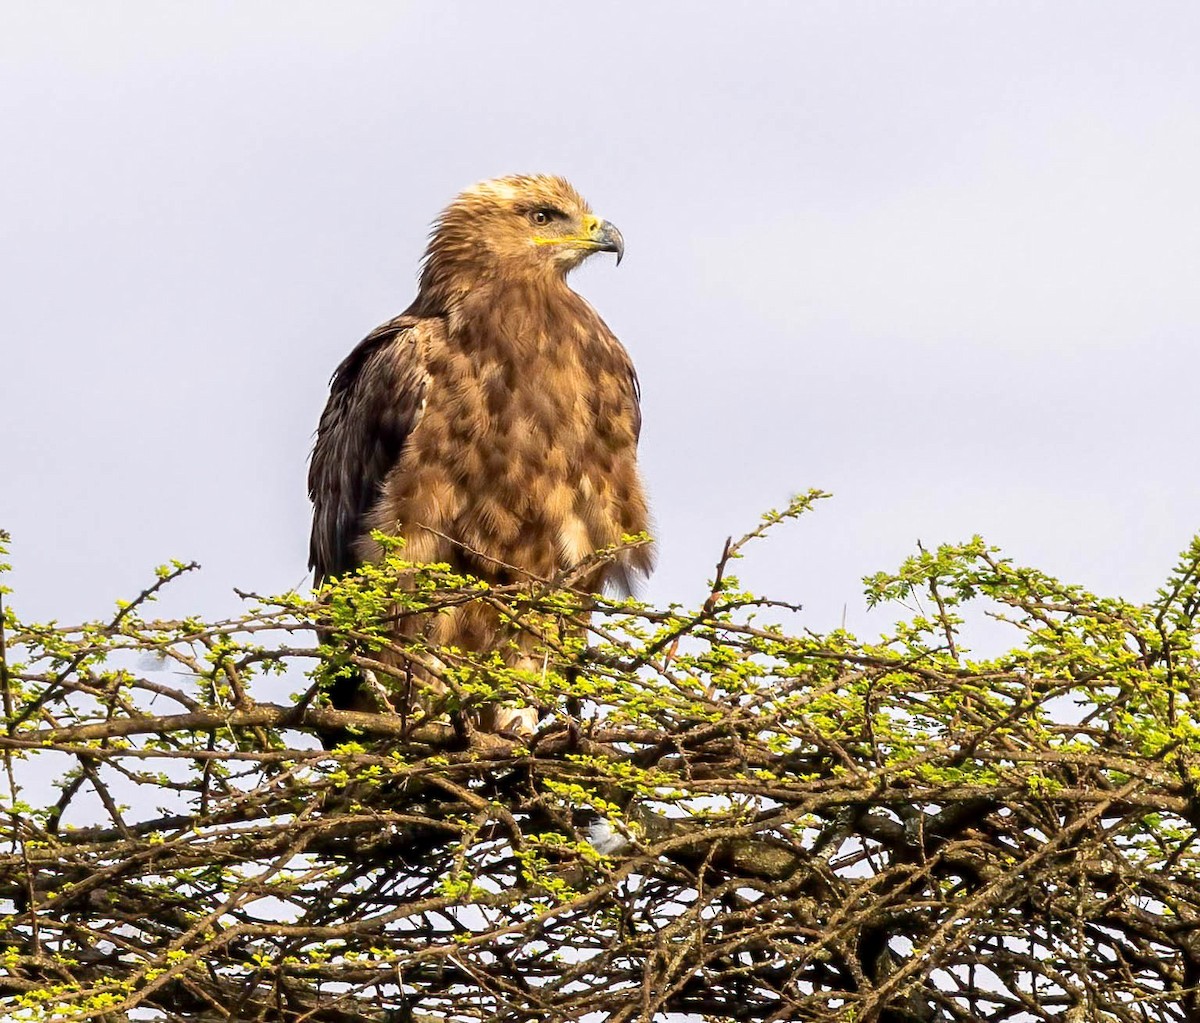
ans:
(545, 214)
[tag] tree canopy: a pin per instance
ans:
(723, 816)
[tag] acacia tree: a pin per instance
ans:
(722, 816)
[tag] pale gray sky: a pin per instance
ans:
(942, 259)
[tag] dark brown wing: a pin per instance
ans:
(375, 400)
(637, 402)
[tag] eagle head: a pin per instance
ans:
(521, 225)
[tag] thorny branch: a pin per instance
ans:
(771, 824)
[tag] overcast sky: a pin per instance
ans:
(942, 259)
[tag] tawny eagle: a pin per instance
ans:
(494, 423)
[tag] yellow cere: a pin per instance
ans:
(590, 224)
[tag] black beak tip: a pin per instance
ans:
(612, 241)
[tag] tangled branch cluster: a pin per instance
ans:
(719, 816)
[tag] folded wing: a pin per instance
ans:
(375, 401)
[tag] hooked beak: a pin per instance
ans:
(607, 238)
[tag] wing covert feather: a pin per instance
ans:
(375, 401)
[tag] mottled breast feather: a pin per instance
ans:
(524, 461)
(375, 400)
